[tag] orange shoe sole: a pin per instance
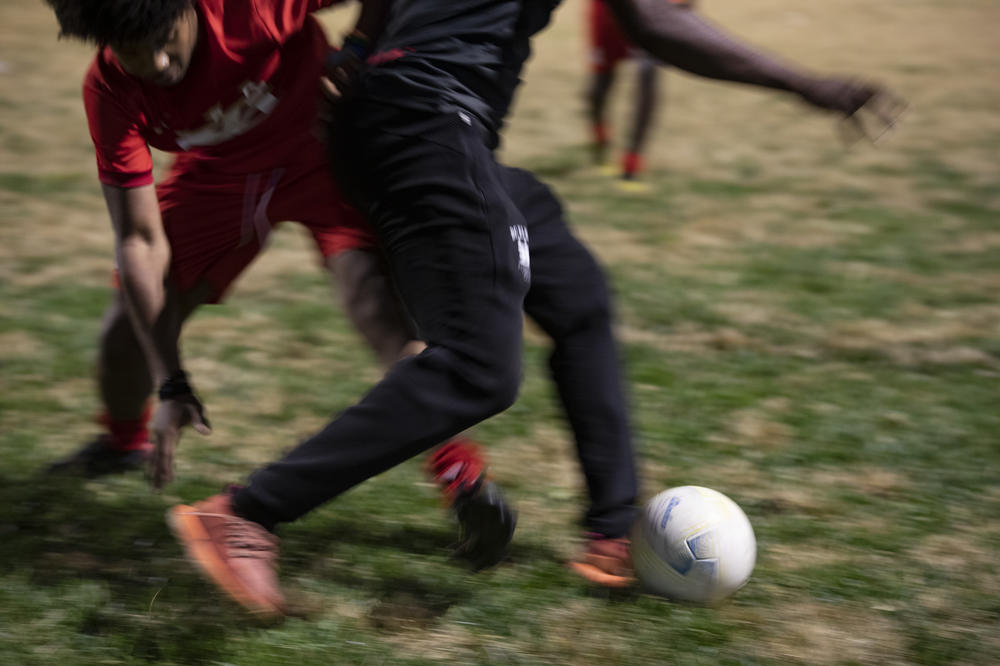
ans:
(600, 577)
(197, 547)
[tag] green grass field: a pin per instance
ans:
(812, 330)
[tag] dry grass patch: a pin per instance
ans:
(732, 476)
(553, 496)
(969, 559)
(19, 345)
(752, 428)
(790, 495)
(545, 456)
(754, 308)
(814, 233)
(962, 553)
(967, 281)
(619, 246)
(974, 243)
(687, 337)
(757, 427)
(71, 395)
(55, 228)
(873, 481)
(815, 633)
(924, 341)
(787, 557)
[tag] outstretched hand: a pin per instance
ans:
(869, 110)
(171, 416)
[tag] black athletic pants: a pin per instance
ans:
(469, 243)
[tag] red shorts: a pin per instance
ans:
(608, 44)
(217, 223)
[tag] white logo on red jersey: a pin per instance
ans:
(254, 105)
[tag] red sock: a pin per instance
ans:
(632, 164)
(127, 434)
(455, 465)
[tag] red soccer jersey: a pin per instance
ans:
(246, 103)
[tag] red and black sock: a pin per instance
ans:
(127, 434)
(456, 465)
(631, 165)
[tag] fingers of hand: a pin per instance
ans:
(851, 130)
(162, 461)
(878, 116)
(196, 415)
(886, 107)
(329, 88)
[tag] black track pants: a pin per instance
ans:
(469, 243)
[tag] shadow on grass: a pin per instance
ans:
(407, 570)
(60, 535)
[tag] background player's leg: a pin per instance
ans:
(647, 94)
(569, 299)
(607, 48)
(600, 85)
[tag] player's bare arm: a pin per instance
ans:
(143, 255)
(680, 37)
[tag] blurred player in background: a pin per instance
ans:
(608, 47)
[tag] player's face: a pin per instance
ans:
(163, 64)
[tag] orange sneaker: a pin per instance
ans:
(606, 562)
(236, 554)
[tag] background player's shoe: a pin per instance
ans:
(606, 562)
(632, 185)
(236, 554)
(98, 457)
(485, 519)
(629, 181)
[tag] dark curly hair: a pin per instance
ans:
(104, 22)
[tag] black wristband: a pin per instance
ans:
(176, 385)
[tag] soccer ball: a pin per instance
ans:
(693, 544)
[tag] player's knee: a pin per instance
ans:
(507, 388)
(498, 382)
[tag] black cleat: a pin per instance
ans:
(487, 525)
(97, 458)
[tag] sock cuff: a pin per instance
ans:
(127, 434)
(632, 163)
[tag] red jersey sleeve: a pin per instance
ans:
(123, 157)
(282, 18)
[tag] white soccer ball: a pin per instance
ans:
(693, 544)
